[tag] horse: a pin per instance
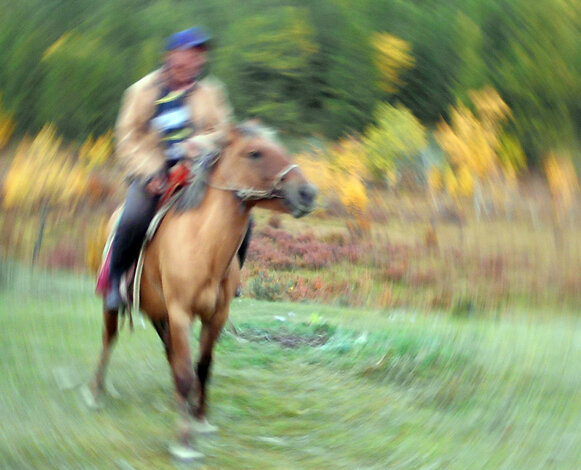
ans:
(191, 269)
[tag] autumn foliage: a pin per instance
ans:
(6, 125)
(392, 58)
(482, 160)
(42, 172)
(563, 182)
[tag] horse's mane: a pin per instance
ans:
(193, 194)
(256, 129)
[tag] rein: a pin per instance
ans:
(251, 194)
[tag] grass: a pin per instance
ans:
(301, 386)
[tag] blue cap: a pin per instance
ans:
(187, 39)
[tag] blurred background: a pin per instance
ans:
(442, 267)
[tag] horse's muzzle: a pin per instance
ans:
(300, 198)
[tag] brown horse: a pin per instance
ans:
(190, 268)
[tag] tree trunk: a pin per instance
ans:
(38, 243)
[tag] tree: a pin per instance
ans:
(42, 176)
(266, 70)
(534, 61)
(95, 79)
(393, 143)
(474, 143)
(343, 82)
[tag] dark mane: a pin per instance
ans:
(192, 195)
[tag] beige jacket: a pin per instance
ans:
(139, 147)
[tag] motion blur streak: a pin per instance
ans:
(425, 317)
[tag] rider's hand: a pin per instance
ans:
(155, 186)
(191, 149)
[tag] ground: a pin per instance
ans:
(299, 386)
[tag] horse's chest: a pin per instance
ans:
(208, 300)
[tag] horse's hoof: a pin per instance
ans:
(203, 426)
(184, 453)
(112, 391)
(89, 398)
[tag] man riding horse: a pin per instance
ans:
(190, 268)
(168, 115)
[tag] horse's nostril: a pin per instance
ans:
(307, 194)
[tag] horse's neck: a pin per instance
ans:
(223, 222)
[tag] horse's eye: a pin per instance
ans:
(255, 154)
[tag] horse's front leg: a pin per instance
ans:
(185, 382)
(208, 336)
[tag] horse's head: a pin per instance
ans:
(260, 172)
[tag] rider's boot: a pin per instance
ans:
(113, 300)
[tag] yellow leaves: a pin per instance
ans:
(465, 182)
(491, 108)
(562, 179)
(476, 152)
(95, 244)
(451, 182)
(95, 152)
(340, 173)
(42, 172)
(435, 179)
(392, 57)
(348, 156)
(6, 129)
(6, 125)
(349, 171)
(317, 170)
(352, 193)
(56, 45)
(466, 142)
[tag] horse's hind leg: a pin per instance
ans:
(162, 329)
(110, 326)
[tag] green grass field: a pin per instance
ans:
(300, 386)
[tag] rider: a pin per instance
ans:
(168, 115)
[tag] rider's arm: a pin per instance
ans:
(216, 121)
(136, 144)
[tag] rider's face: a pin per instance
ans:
(184, 66)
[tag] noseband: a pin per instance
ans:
(252, 194)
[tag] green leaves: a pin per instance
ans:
(394, 141)
(305, 67)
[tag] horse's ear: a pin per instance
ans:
(253, 122)
(234, 133)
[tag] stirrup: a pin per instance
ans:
(113, 299)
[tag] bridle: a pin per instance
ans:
(252, 194)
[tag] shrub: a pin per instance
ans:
(275, 221)
(267, 286)
(64, 256)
